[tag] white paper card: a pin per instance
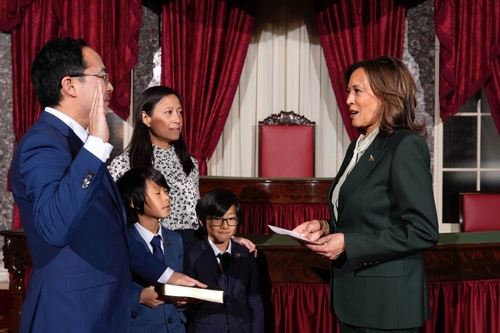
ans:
(290, 233)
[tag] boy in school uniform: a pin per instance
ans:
(144, 192)
(223, 264)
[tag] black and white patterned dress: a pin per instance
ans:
(184, 190)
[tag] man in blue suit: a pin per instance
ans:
(70, 208)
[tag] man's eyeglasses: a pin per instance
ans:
(218, 221)
(103, 76)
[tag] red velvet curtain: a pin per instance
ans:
(109, 27)
(300, 307)
(355, 30)
(464, 306)
(469, 34)
(38, 26)
(255, 218)
(492, 89)
(11, 13)
(204, 45)
(456, 307)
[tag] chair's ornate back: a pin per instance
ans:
(286, 146)
(286, 118)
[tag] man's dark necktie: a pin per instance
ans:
(156, 244)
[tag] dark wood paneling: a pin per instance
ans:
(457, 262)
(297, 264)
(273, 191)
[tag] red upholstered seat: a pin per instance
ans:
(480, 211)
(286, 149)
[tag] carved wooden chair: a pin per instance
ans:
(286, 146)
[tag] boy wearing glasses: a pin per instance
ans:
(223, 264)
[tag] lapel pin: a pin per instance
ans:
(371, 159)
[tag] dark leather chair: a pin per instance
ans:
(479, 211)
(286, 146)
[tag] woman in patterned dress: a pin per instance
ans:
(157, 141)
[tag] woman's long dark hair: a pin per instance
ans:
(140, 147)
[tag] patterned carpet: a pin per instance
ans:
(5, 307)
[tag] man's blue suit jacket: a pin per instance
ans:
(242, 311)
(166, 317)
(75, 226)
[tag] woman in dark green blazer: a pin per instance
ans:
(382, 207)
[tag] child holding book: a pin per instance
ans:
(144, 192)
(223, 264)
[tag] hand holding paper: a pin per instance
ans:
(291, 234)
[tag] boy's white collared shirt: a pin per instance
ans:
(217, 251)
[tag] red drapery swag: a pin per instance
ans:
(356, 30)
(469, 58)
(109, 27)
(11, 13)
(204, 45)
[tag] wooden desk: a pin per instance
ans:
(463, 274)
(281, 260)
(271, 190)
(283, 202)
(458, 259)
(16, 257)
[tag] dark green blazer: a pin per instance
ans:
(388, 216)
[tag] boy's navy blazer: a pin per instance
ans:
(164, 317)
(387, 215)
(75, 226)
(242, 309)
